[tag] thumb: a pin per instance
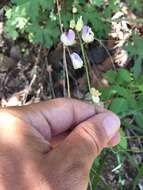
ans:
(88, 139)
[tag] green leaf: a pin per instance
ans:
(107, 93)
(137, 179)
(97, 2)
(19, 1)
(127, 124)
(136, 5)
(11, 32)
(121, 91)
(139, 119)
(123, 142)
(94, 18)
(137, 68)
(47, 4)
(119, 105)
(123, 76)
(111, 76)
(140, 100)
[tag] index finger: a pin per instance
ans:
(56, 116)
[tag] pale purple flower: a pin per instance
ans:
(68, 38)
(87, 34)
(76, 61)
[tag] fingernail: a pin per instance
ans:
(111, 124)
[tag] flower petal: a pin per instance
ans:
(87, 34)
(76, 61)
(71, 35)
(68, 38)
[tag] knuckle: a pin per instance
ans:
(90, 137)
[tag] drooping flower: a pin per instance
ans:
(72, 24)
(79, 24)
(68, 38)
(95, 95)
(76, 61)
(87, 34)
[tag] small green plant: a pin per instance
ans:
(33, 18)
(136, 5)
(134, 47)
(124, 96)
(124, 93)
(39, 19)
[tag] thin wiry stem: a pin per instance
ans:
(112, 61)
(59, 15)
(85, 62)
(66, 71)
(64, 50)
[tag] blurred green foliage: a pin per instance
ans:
(39, 19)
(125, 94)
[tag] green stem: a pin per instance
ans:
(66, 71)
(85, 61)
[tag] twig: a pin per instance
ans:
(49, 69)
(33, 77)
(29, 88)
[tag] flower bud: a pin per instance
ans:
(79, 24)
(72, 24)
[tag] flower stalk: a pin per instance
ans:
(85, 62)
(64, 50)
(66, 71)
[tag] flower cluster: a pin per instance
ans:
(86, 36)
(69, 38)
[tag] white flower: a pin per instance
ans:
(87, 34)
(76, 61)
(68, 38)
(79, 24)
(72, 24)
(95, 95)
(95, 99)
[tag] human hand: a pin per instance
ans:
(77, 136)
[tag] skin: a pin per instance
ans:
(52, 145)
